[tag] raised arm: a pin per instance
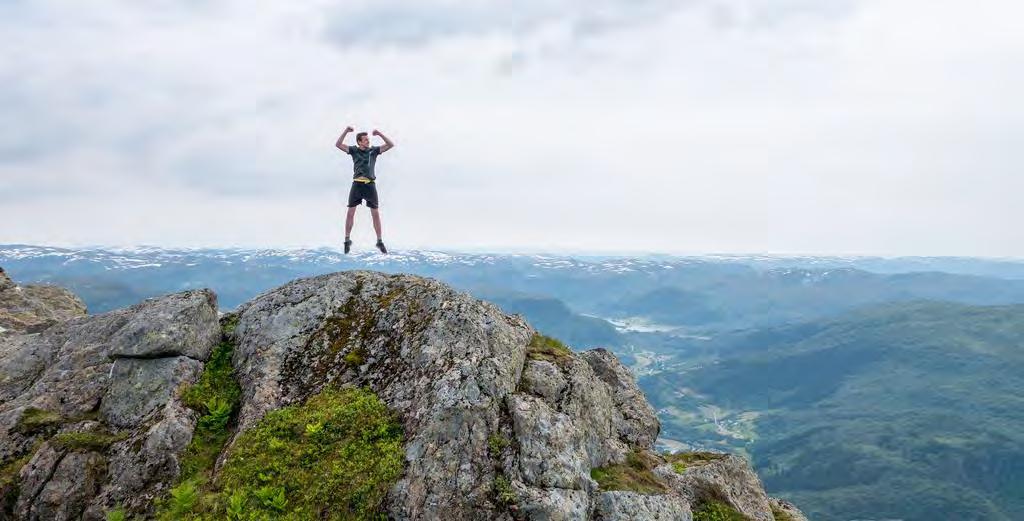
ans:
(341, 140)
(388, 145)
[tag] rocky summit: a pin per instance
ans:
(354, 395)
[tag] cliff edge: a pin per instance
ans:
(488, 419)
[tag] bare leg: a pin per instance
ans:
(350, 219)
(376, 221)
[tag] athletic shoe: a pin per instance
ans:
(348, 245)
(380, 246)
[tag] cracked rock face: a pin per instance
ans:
(493, 429)
(115, 374)
(33, 308)
(478, 412)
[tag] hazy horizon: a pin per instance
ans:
(470, 251)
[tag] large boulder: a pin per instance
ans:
(33, 308)
(495, 428)
(115, 378)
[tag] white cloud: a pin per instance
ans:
(710, 125)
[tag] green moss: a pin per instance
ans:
(714, 510)
(117, 514)
(216, 398)
(334, 457)
(86, 441)
(216, 383)
(548, 349)
(496, 444)
(355, 357)
(504, 491)
(228, 323)
(683, 460)
(35, 420)
(636, 474)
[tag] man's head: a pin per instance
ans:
(362, 140)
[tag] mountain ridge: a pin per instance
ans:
(498, 421)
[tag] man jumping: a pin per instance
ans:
(364, 182)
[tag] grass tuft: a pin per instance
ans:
(683, 460)
(714, 510)
(635, 474)
(496, 444)
(35, 420)
(86, 441)
(504, 491)
(548, 349)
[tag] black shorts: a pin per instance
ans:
(361, 191)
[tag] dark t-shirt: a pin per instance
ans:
(363, 161)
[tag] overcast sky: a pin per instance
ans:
(891, 127)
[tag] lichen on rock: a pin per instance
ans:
(356, 392)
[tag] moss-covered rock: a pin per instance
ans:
(548, 349)
(636, 474)
(86, 441)
(682, 460)
(333, 457)
(714, 510)
(35, 420)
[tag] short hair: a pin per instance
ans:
(360, 135)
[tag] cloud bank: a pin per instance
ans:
(857, 126)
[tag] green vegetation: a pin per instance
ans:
(496, 444)
(714, 510)
(355, 357)
(333, 457)
(229, 323)
(117, 514)
(216, 398)
(635, 474)
(904, 411)
(548, 349)
(86, 441)
(503, 489)
(682, 460)
(35, 420)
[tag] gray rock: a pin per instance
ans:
(729, 479)
(140, 466)
(140, 386)
(785, 507)
(441, 359)
(5, 281)
(183, 324)
(553, 504)
(33, 308)
(70, 487)
(455, 370)
(125, 367)
(627, 506)
(634, 418)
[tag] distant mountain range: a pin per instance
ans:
(892, 381)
